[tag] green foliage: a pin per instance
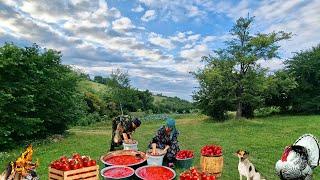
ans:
(216, 93)
(95, 104)
(232, 79)
(98, 98)
(304, 67)
(266, 111)
(38, 95)
(132, 100)
(278, 93)
(117, 79)
(171, 105)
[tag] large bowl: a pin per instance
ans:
(143, 167)
(113, 178)
(124, 152)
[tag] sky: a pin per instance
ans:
(159, 42)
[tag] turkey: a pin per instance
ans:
(299, 160)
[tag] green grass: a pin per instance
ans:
(264, 138)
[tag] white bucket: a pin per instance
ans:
(155, 160)
(130, 146)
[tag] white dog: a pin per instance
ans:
(246, 168)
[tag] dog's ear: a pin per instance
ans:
(246, 152)
(238, 151)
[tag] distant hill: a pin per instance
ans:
(161, 103)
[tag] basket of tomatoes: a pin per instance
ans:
(75, 167)
(193, 173)
(185, 159)
(211, 160)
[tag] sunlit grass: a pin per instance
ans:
(264, 138)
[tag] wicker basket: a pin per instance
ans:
(212, 165)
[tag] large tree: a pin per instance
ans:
(232, 78)
(305, 68)
(38, 95)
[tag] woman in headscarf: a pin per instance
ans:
(122, 130)
(166, 139)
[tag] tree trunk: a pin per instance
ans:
(239, 111)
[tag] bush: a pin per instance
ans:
(38, 95)
(266, 111)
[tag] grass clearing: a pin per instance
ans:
(264, 138)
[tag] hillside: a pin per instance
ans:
(162, 104)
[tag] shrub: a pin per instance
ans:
(38, 95)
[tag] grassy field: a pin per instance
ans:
(263, 138)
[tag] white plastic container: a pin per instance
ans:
(155, 160)
(130, 146)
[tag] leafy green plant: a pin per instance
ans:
(38, 95)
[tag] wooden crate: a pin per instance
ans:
(87, 173)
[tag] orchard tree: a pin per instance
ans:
(232, 78)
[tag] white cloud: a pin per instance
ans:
(227, 8)
(138, 9)
(272, 64)
(123, 24)
(195, 53)
(177, 10)
(185, 36)
(194, 37)
(187, 46)
(180, 37)
(158, 40)
(209, 39)
(149, 15)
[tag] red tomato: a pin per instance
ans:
(80, 165)
(195, 178)
(54, 164)
(93, 162)
(65, 167)
(211, 150)
(63, 159)
(182, 177)
(74, 166)
(76, 156)
(188, 177)
(72, 161)
(86, 163)
(85, 158)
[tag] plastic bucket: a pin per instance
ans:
(184, 163)
(130, 146)
(130, 176)
(155, 160)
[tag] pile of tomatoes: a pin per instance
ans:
(184, 154)
(211, 150)
(194, 174)
(76, 162)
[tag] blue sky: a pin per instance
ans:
(157, 41)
